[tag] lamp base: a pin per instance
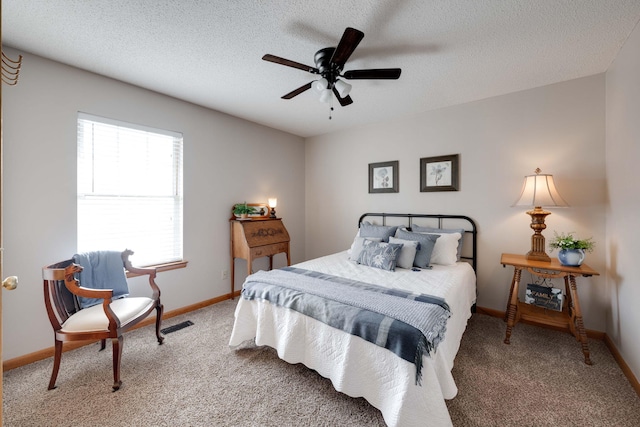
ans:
(537, 256)
(537, 252)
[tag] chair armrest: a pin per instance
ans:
(106, 295)
(151, 272)
(138, 270)
(73, 286)
(135, 270)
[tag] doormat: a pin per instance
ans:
(177, 327)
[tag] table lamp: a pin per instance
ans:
(539, 191)
(272, 204)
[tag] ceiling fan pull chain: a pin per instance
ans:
(331, 108)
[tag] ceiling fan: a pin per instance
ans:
(329, 64)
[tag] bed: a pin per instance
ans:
(408, 393)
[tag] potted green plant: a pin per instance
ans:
(243, 210)
(571, 250)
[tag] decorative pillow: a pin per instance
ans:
(382, 231)
(379, 254)
(350, 250)
(418, 229)
(427, 242)
(445, 252)
(356, 247)
(407, 253)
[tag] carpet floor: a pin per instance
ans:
(195, 379)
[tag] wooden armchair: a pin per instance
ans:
(70, 322)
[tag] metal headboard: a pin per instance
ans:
(464, 222)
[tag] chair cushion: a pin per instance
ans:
(94, 319)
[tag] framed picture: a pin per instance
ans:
(383, 177)
(439, 173)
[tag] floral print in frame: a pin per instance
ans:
(439, 173)
(383, 177)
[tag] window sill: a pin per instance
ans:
(162, 267)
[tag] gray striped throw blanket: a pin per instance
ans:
(408, 324)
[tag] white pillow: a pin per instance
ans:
(407, 253)
(356, 246)
(418, 229)
(350, 250)
(445, 252)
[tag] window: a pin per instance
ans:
(129, 189)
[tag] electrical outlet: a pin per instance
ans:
(224, 274)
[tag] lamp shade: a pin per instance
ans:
(539, 190)
(273, 202)
(320, 85)
(343, 88)
(325, 95)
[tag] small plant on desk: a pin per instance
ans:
(571, 250)
(567, 241)
(243, 210)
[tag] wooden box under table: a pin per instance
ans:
(256, 238)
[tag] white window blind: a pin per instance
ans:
(129, 189)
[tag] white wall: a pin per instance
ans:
(559, 128)
(623, 208)
(227, 160)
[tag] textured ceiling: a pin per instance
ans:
(209, 52)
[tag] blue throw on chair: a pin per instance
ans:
(101, 270)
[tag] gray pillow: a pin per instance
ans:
(379, 254)
(356, 247)
(427, 242)
(407, 253)
(419, 229)
(381, 231)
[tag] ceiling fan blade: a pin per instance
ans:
(297, 91)
(343, 101)
(289, 63)
(348, 43)
(374, 73)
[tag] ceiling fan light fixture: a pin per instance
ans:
(343, 88)
(325, 95)
(329, 63)
(320, 85)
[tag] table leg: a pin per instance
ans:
(513, 304)
(570, 309)
(577, 317)
(567, 294)
(506, 313)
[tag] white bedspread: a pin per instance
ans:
(357, 367)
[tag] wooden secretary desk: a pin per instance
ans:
(255, 238)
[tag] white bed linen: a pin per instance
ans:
(359, 368)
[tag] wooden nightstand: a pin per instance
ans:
(570, 318)
(255, 238)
